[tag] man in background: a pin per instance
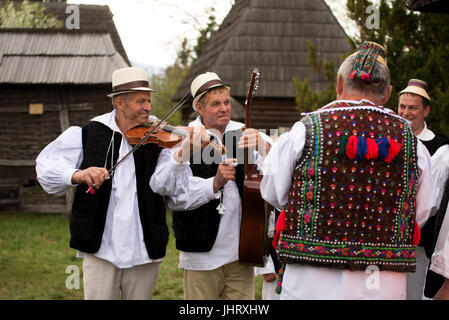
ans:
(414, 105)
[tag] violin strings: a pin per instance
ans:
(173, 110)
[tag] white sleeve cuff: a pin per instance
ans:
(68, 177)
(210, 189)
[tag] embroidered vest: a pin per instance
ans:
(352, 198)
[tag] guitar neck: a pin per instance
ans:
(247, 114)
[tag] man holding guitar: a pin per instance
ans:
(207, 217)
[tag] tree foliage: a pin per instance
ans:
(417, 46)
(205, 34)
(167, 83)
(307, 99)
(27, 14)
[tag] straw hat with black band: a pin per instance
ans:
(132, 79)
(418, 87)
(203, 83)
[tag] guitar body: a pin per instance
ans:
(253, 245)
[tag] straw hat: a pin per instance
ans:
(130, 79)
(203, 83)
(418, 87)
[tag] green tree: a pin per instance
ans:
(27, 14)
(167, 83)
(417, 46)
(165, 86)
(307, 99)
(205, 34)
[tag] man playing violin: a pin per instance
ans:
(207, 215)
(120, 229)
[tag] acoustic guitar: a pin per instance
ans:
(254, 245)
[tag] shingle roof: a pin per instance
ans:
(270, 34)
(49, 56)
(92, 17)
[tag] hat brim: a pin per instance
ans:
(204, 92)
(416, 90)
(112, 94)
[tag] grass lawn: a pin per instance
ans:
(34, 257)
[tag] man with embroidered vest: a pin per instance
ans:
(414, 105)
(353, 182)
(206, 218)
(119, 227)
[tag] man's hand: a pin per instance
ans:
(191, 144)
(93, 176)
(225, 172)
(251, 138)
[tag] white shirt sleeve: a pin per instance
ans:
(200, 191)
(176, 182)
(170, 177)
(440, 173)
(440, 257)
(423, 200)
(58, 161)
(280, 164)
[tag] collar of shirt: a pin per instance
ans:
(426, 134)
(108, 119)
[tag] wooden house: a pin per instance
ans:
(50, 79)
(270, 35)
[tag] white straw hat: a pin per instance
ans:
(129, 80)
(202, 83)
(418, 87)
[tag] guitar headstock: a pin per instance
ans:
(253, 85)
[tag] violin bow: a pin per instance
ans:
(145, 137)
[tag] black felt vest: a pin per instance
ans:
(89, 211)
(434, 144)
(196, 230)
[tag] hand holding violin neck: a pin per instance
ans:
(196, 140)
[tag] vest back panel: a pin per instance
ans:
(348, 212)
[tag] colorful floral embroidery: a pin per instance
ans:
(353, 202)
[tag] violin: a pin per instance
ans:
(147, 133)
(165, 135)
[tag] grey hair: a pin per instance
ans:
(125, 96)
(377, 86)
